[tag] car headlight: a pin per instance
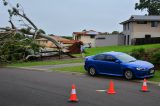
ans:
(139, 68)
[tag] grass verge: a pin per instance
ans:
(93, 51)
(80, 69)
(156, 77)
(41, 63)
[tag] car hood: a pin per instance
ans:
(142, 64)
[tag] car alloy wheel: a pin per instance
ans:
(128, 74)
(92, 71)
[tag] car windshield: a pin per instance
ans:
(125, 58)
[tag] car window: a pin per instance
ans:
(100, 57)
(125, 58)
(110, 58)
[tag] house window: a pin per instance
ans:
(124, 40)
(128, 26)
(78, 37)
(124, 26)
(147, 36)
(141, 22)
(128, 39)
(154, 24)
(101, 38)
(92, 36)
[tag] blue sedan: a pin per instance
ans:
(118, 64)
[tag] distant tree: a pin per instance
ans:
(152, 6)
(84, 30)
(104, 33)
(115, 32)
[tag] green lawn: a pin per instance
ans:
(40, 63)
(156, 78)
(80, 69)
(93, 51)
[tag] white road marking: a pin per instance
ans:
(101, 90)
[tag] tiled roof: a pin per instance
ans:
(59, 39)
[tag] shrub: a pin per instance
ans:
(155, 59)
(138, 53)
(151, 55)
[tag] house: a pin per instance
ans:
(141, 29)
(50, 46)
(63, 41)
(42, 42)
(87, 37)
(98, 39)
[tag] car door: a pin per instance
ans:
(111, 66)
(99, 62)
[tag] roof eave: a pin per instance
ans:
(124, 22)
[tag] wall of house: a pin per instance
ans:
(109, 40)
(85, 39)
(140, 30)
(88, 39)
(128, 31)
(42, 42)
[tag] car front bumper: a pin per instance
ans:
(145, 74)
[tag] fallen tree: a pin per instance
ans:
(27, 27)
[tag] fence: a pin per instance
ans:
(141, 41)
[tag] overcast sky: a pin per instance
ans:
(62, 17)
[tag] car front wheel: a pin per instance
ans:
(92, 71)
(128, 74)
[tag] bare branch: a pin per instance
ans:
(12, 25)
(25, 31)
(25, 17)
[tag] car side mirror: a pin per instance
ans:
(118, 61)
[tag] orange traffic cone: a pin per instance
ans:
(144, 86)
(73, 96)
(111, 88)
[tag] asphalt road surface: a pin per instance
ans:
(19, 87)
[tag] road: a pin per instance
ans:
(20, 87)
